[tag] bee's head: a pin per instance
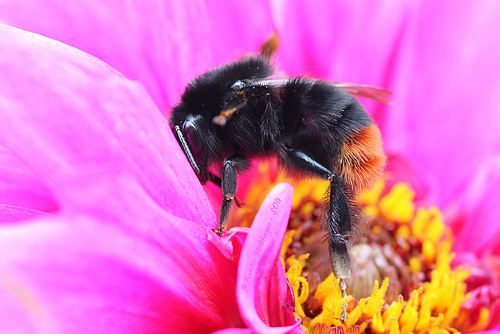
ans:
(204, 98)
(192, 142)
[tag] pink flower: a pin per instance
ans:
(438, 60)
(441, 61)
(105, 227)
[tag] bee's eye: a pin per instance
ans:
(238, 85)
(193, 137)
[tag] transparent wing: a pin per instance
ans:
(375, 93)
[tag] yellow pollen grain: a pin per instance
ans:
(428, 224)
(319, 189)
(371, 211)
(377, 229)
(299, 193)
(415, 265)
(429, 251)
(311, 190)
(371, 196)
(397, 205)
(403, 231)
(445, 245)
(308, 208)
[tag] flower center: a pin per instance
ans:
(401, 275)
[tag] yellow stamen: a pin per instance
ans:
(428, 224)
(403, 231)
(299, 284)
(376, 300)
(371, 196)
(377, 325)
(419, 238)
(424, 315)
(415, 265)
(409, 316)
(429, 251)
(286, 243)
(392, 314)
(397, 206)
(355, 314)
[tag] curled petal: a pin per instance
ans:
(264, 295)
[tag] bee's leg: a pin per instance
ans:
(339, 219)
(300, 159)
(218, 182)
(232, 166)
(339, 230)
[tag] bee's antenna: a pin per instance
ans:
(224, 116)
(238, 101)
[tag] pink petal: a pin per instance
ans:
(445, 111)
(235, 331)
(138, 269)
(10, 213)
(264, 295)
(163, 44)
(20, 186)
(342, 40)
(440, 61)
(477, 209)
(399, 170)
(65, 113)
(495, 330)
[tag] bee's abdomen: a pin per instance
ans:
(362, 160)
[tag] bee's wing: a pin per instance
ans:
(375, 93)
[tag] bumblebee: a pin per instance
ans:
(315, 128)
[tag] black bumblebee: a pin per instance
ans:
(236, 112)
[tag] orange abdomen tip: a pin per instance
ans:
(362, 159)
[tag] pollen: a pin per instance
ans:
(397, 206)
(402, 280)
